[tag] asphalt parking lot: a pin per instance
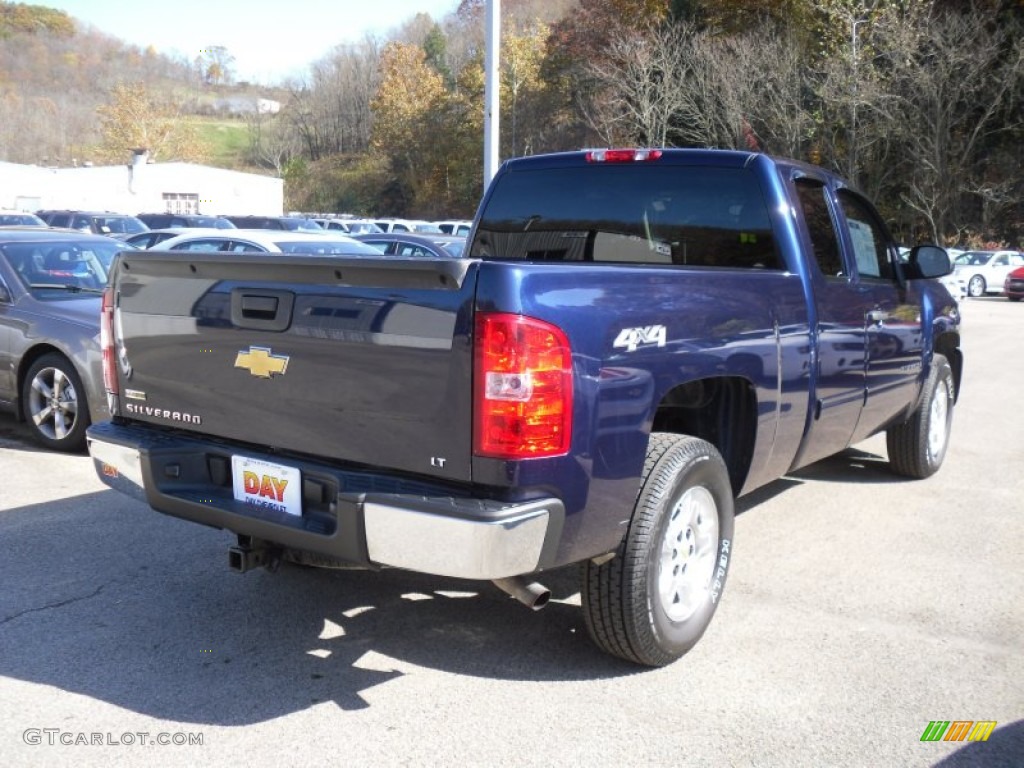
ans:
(860, 607)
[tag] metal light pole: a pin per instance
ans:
(491, 90)
(852, 173)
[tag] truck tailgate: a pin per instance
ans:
(362, 360)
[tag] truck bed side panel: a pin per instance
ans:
(739, 323)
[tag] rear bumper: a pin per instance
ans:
(356, 516)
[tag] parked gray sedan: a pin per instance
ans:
(51, 284)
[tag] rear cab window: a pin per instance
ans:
(638, 213)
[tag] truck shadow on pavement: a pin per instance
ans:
(1004, 747)
(850, 466)
(105, 598)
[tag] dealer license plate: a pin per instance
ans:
(267, 485)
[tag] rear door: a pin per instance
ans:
(869, 328)
(840, 308)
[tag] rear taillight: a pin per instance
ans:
(522, 400)
(622, 155)
(107, 341)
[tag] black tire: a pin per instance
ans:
(1013, 298)
(918, 445)
(976, 286)
(624, 599)
(54, 405)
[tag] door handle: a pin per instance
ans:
(261, 309)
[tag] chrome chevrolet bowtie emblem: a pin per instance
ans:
(262, 362)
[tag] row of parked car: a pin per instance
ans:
(120, 224)
(403, 237)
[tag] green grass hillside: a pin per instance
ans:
(227, 141)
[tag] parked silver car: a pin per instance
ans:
(266, 241)
(986, 271)
(416, 245)
(51, 284)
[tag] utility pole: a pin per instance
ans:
(852, 171)
(491, 91)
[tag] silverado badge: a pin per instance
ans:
(262, 362)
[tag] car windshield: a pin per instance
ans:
(64, 266)
(455, 247)
(301, 225)
(21, 219)
(118, 225)
(361, 227)
(328, 247)
(215, 222)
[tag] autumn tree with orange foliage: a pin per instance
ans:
(132, 119)
(408, 111)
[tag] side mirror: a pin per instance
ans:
(928, 261)
(5, 295)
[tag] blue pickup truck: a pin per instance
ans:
(636, 338)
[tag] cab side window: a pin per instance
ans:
(824, 242)
(867, 236)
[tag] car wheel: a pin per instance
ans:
(976, 286)
(654, 599)
(1013, 298)
(918, 445)
(53, 403)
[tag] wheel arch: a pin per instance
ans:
(721, 410)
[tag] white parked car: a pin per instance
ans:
(267, 241)
(333, 224)
(458, 227)
(407, 225)
(349, 226)
(986, 271)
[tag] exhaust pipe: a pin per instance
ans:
(530, 593)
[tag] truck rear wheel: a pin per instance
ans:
(918, 445)
(651, 603)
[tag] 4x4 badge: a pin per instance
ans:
(262, 362)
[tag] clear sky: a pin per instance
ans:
(270, 39)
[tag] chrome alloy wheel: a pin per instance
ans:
(976, 286)
(938, 420)
(53, 403)
(688, 552)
